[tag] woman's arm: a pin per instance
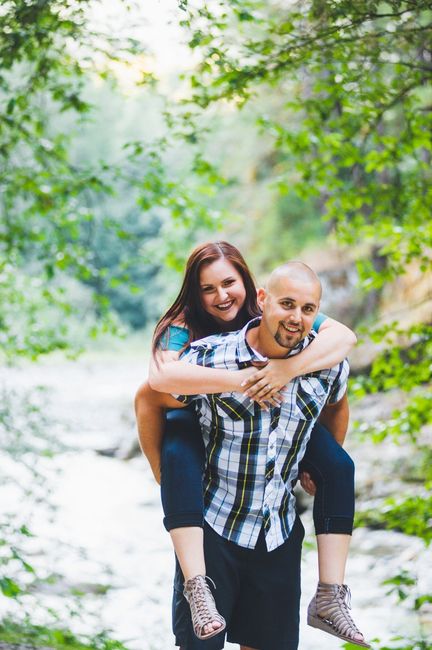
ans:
(168, 376)
(331, 345)
(150, 416)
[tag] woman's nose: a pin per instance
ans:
(222, 294)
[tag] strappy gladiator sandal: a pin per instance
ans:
(202, 606)
(329, 611)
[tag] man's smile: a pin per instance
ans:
(292, 329)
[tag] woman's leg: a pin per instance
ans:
(174, 448)
(332, 471)
(182, 466)
(182, 489)
(150, 416)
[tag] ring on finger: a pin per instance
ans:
(269, 387)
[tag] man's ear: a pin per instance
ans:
(261, 296)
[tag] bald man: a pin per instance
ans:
(252, 533)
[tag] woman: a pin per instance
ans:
(218, 294)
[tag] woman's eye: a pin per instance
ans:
(207, 289)
(228, 283)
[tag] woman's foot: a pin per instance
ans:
(206, 620)
(329, 611)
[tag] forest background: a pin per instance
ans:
(293, 129)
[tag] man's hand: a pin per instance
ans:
(307, 484)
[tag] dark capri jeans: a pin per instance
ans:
(182, 466)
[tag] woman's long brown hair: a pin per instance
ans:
(188, 305)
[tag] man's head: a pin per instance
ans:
(289, 303)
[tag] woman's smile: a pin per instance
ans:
(225, 306)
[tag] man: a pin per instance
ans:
(252, 534)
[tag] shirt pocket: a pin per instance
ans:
(235, 409)
(310, 398)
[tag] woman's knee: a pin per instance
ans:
(343, 464)
(338, 467)
(327, 456)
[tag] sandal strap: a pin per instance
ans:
(201, 603)
(333, 603)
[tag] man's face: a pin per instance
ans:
(289, 310)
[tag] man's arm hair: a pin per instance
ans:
(335, 418)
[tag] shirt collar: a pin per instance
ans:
(246, 353)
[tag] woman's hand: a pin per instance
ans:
(244, 376)
(265, 383)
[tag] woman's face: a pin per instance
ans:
(222, 290)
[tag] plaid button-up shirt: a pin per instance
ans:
(252, 454)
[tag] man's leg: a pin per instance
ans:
(267, 614)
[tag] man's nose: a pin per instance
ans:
(295, 314)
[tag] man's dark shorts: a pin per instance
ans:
(257, 592)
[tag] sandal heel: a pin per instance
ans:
(334, 617)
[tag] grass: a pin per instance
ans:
(56, 638)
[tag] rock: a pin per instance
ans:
(109, 452)
(129, 448)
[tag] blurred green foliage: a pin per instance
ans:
(409, 515)
(80, 199)
(44, 196)
(57, 638)
(355, 131)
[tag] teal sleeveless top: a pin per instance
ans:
(176, 337)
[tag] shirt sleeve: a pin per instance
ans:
(319, 320)
(340, 383)
(174, 338)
